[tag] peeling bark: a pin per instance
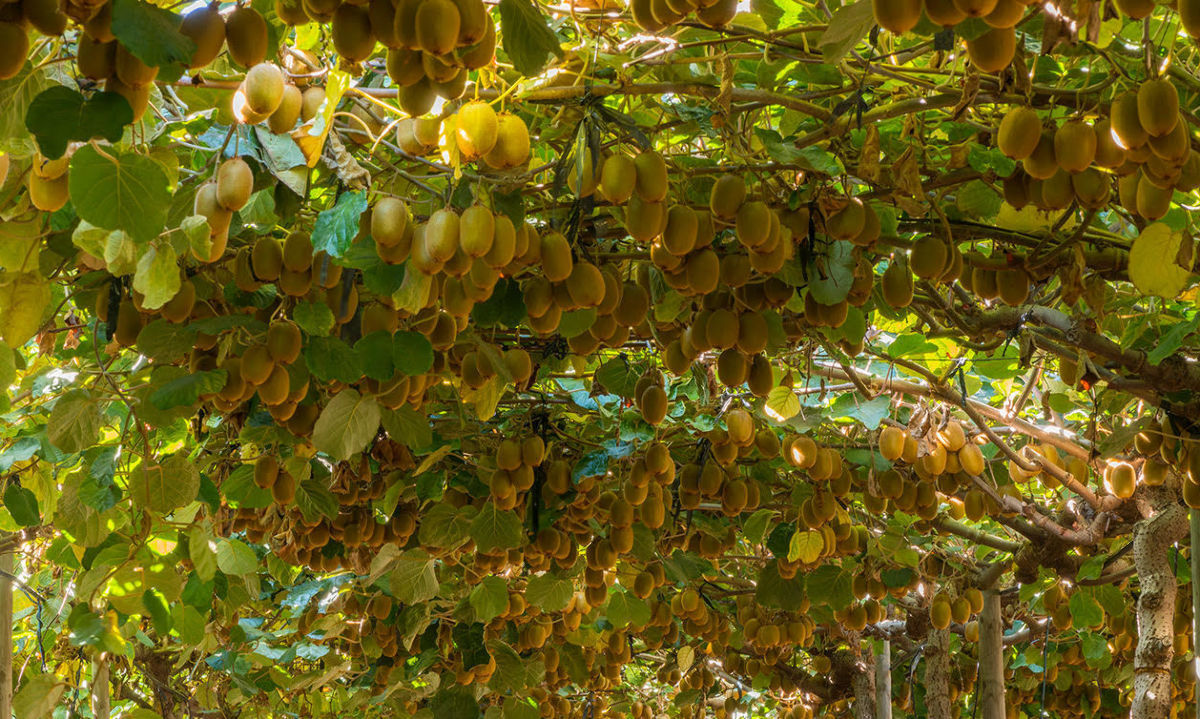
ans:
(883, 681)
(991, 657)
(937, 675)
(864, 688)
(101, 702)
(1152, 540)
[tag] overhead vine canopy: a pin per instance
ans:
(449, 358)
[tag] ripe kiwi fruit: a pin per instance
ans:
(975, 8)
(928, 257)
(442, 235)
(1042, 164)
(1075, 146)
(297, 252)
(477, 229)
(350, 28)
(944, 13)
(618, 177)
(1135, 9)
(645, 220)
(404, 66)
(285, 116)
(48, 195)
(1007, 13)
(679, 236)
(266, 471)
(1020, 131)
(1108, 153)
(246, 36)
(897, 16)
(129, 323)
(848, 222)
(897, 283)
(753, 224)
(418, 98)
(131, 70)
(291, 12)
(206, 28)
(96, 60)
(718, 14)
(653, 404)
(1013, 286)
(1158, 106)
(993, 51)
(263, 88)
(1152, 202)
(557, 262)
(512, 145)
(651, 183)
(1126, 122)
(235, 183)
(476, 129)
(437, 25)
(266, 259)
(389, 221)
(45, 16)
(728, 194)
(1189, 17)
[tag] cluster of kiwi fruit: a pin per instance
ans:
(992, 51)
(1143, 142)
(655, 16)
(499, 140)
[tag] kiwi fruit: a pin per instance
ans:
(1013, 286)
(651, 183)
(645, 220)
(1126, 122)
(1158, 106)
(618, 177)
(679, 236)
(442, 235)
(718, 14)
(206, 28)
(1122, 479)
(975, 8)
(418, 98)
(290, 12)
(266, 259)
(476, 128)
(1152, 202)
(753, 223)
(727, 195)
(1136, 9)
(653, 404)
(944, 13)
(138, 96)
(477, 230)
(437, 25)
(288, 112)
(1042, 163)
(131, 70)
(263, 88)
(310, 102)
(350, 28)
(129, 323)
(48, 195)
(46, 16)
(1006, 13)
(246, 36)
(389, 221)
(557, 262)
(235, 183)
(284, 341)
(897, 284)
(993, 51)
(14, 46)
(1075, 146)
(297, 252)
(1019, 133)
(897, 16)
(1189, 17)
(848, 222)
(512, 145)
(96, 60)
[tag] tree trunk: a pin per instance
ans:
(100, 688)
(883, 681)
(6, 632)
(1195, 531)
(937, 675)
(864, 688)
(1152, 540)
(991, 657)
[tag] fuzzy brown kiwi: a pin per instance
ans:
(206, 28)
(246, 36)
(351, 31)
(235, 182)
(438, 23)
(897, 16)
(994, 50)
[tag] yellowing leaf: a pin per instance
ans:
(1152, 267)
(311, 135)
(806, 547)
(157, 275)
(782, 404)
(1030, 219)
(23, 299)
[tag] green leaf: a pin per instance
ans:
(202, 552)
(336, 227)
(849, 25)
(160, 613)
(346, 425)
(120, 191)
(8, 367)
(832, 273)
(624, 609)
(414, 579)
(489, 599)
(913, 343)
(75, 422)
(165, 342)
(157, 275)
(22, 504)
(375, 352)
(189, 623)
(60, 115)
(830, 584)
(186, 391)
(511, 674)
(1173, 339)
(1085, 610)
(870, 412)
(412, 353)
(576, 322)
(15, 95)
(167, 486)
(618, 377)
(316, 500)
(754, 529)
(38, 697)
(505, 307)
(408, 427)
(494, 529)
(454, 703)
(1152, 266)
(150, 33)
(976, 200)
(527, 38)
(236, 557)
(772, 590)
(548, 592)
(444, 526)
(330, 358)
(315, 318)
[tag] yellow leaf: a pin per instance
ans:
(782, 404)
(310, 136)
(23, 299)
(1152, 267)
(806, 547)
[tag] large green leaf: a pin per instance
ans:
(151, 33)
(167, 486)
(60, 114)
(495, 528)
(527, 38)
(74, 423)
(346, 425)
(120, 191)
